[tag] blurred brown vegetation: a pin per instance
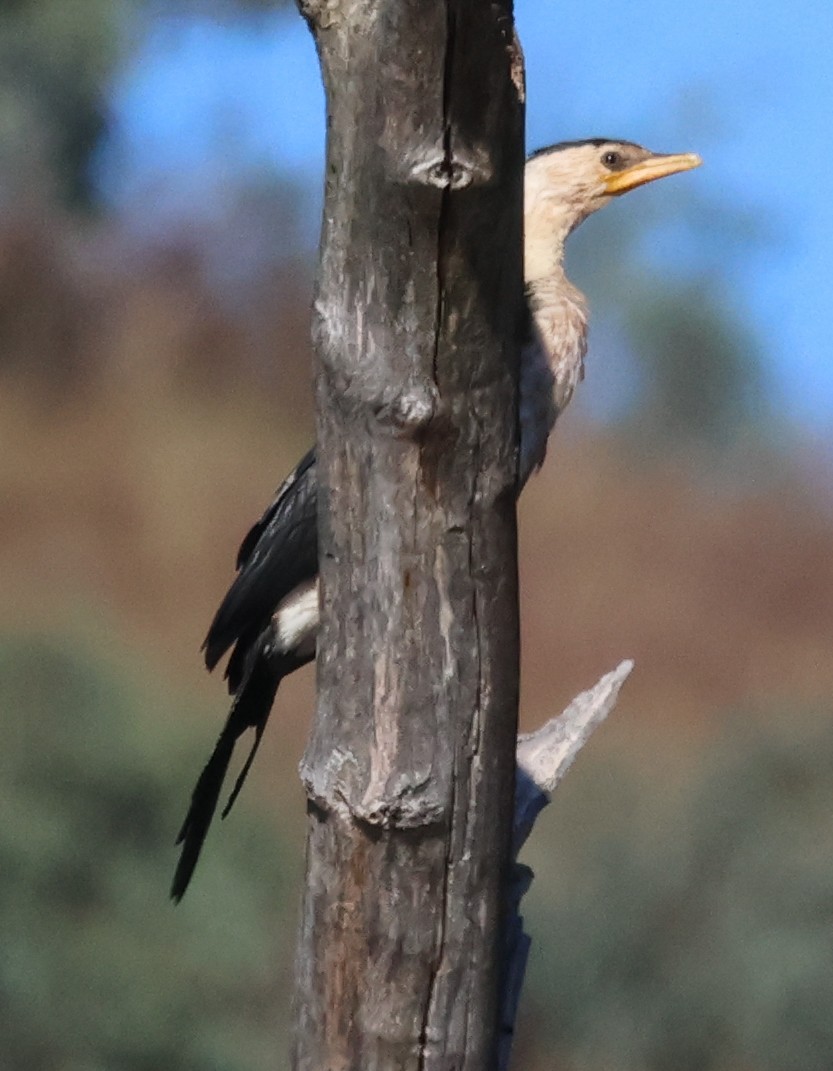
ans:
(146, 421)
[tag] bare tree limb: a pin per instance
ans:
(546, 755)
(543, 759)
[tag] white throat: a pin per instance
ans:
(552, 365)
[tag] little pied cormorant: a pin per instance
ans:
(270, 613)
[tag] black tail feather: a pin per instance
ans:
(241, 777)
(250, 709)
(203, 805)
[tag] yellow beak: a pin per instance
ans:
(655, 167)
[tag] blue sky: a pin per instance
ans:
(749, 86)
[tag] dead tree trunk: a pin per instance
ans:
(410, 766)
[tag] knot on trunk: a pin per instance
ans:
(410, 412)
(455, 168)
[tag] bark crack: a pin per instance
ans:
(447, 166)
(442, 227)
(436, 967)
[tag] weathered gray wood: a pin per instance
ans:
(543, 758)
(410, 765)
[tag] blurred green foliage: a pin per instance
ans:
(687, 368)
(56, 57)
(99, 970)
(677, 924)
(691, 927)
(700, 373)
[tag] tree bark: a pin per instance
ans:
(410, 766)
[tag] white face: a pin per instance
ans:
(566, 184)
(578, 178)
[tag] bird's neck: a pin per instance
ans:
(549, 220)
(544, 253)
(558, 308)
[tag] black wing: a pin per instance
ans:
(279, 553)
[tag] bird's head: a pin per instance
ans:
(565, 183)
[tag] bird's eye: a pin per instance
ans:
(612, 159)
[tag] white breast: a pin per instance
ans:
(295, 622)
(552, 365)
